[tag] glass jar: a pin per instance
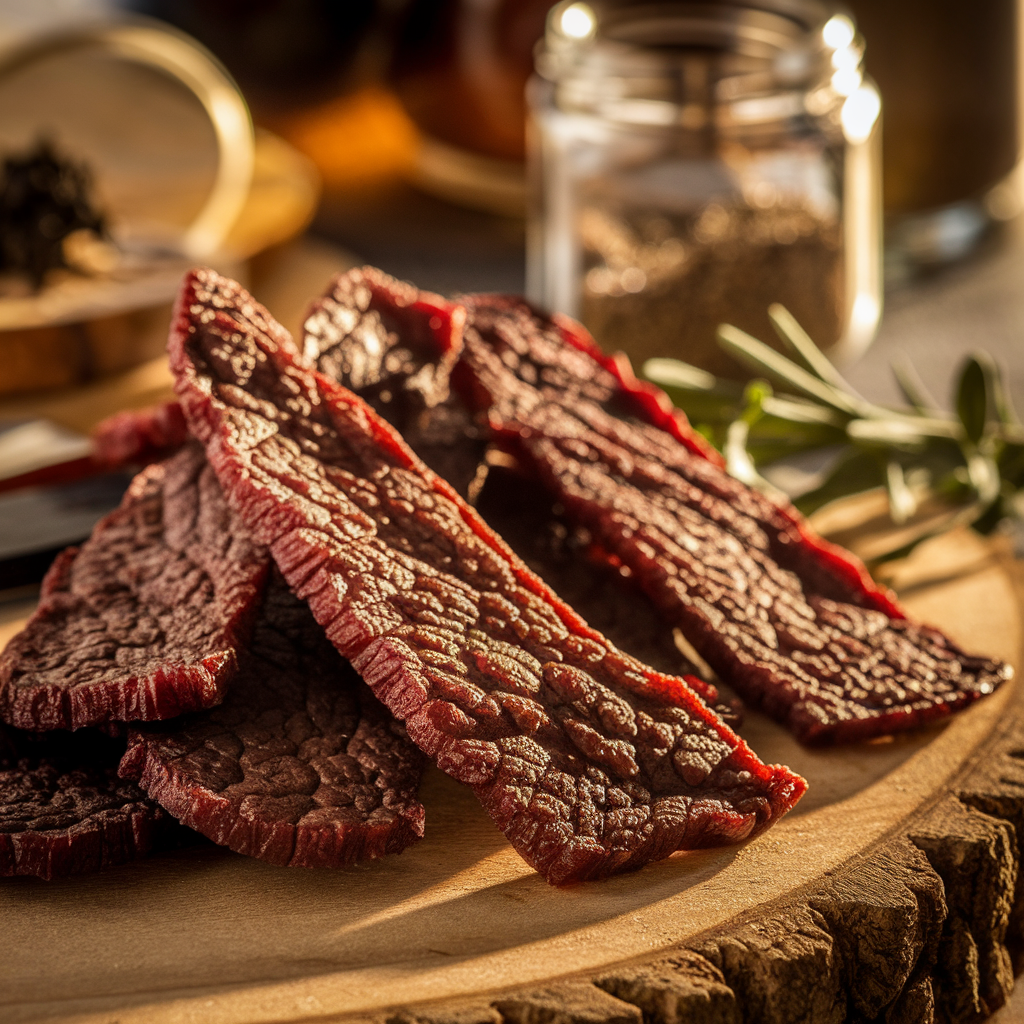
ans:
(692, 163)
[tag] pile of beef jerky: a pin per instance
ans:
(291, 612)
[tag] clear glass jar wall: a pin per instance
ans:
(693, 163)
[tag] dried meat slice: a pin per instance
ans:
(145, 619)
(300, 765)
(522, 512)
(589, 762)
(395, 347)
(64, 810)
(793, 623)
(385, 336)
(137, 437)
(437, 426)
(440, 430)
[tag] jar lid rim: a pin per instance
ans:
(786, 38)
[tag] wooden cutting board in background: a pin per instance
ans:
(285, 279)
(458, 924)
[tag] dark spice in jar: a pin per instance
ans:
(658, 284)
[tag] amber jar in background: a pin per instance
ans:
(692, 163)
(459, 68)
(948, 73)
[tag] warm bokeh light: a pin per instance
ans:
(838, 32)
(355, 139)
(578, 21)
(845, 58)
(860, 112)
(846, 81)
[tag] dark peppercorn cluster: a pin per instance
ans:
(43, 199)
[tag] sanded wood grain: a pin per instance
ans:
(890, 893)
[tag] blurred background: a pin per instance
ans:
(411, 118)
(395, 132)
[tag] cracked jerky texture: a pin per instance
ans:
(520, 510)
(137, 437)
(587, 760)
(63, 809)
(145, 619)
(300, 766)
(372, 334)
(395, 347)
(794, 624)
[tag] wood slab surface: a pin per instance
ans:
(890, 893)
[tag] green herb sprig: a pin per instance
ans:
(966, 469)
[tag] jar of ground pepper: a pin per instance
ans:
(692, 163)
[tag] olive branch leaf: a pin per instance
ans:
(970, 464)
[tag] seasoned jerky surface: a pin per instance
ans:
(300, 766)
(136, 437)
(588, 761)
(395, 347)
(521, 511)
(63, 809)
(369, 334)
(783, 617)
(144, 621)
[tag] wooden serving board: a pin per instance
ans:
(889, 890)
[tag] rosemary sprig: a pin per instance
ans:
(970, 464)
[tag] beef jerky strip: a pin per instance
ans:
(795, 625)
(300, 766)
(371, 335)
(587, 760)
(396, 349)
(145, 619)
(821, 562)
(395, 344)
(63, 809)
(141, 436)
(136, 437)
(521, 510)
